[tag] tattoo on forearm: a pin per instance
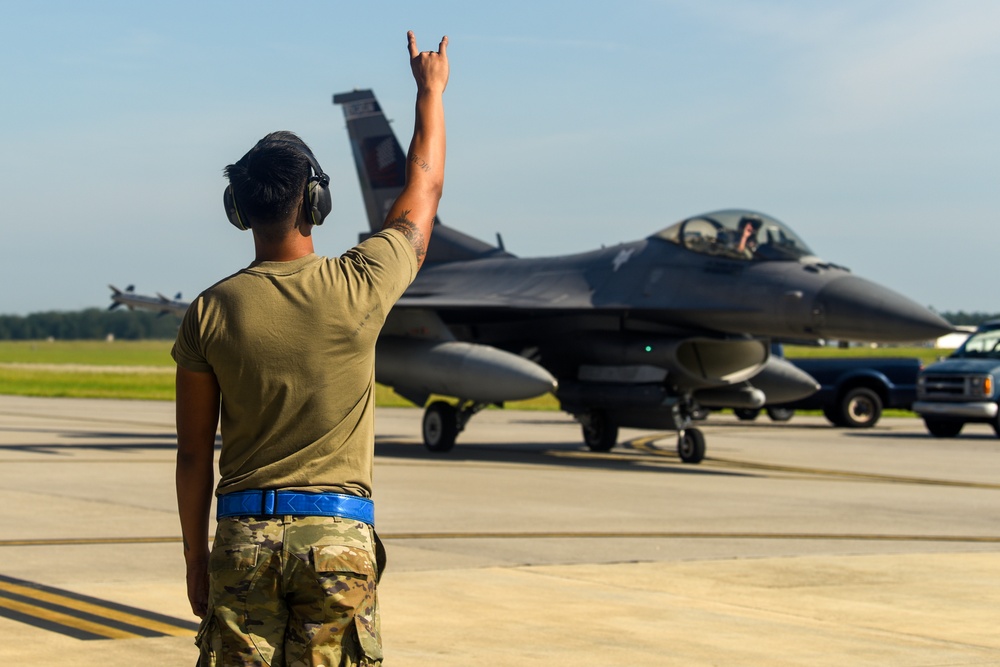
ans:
(420, 162)
(411, 232)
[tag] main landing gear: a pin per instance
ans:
(444, 421)
(600, 434)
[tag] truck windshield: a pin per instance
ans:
(737, 234)
(981, 344)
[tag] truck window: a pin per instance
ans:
(982, 344)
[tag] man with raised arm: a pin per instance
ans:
(283, 352)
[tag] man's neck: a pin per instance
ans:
(296, 244)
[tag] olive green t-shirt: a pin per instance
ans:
(292, 345)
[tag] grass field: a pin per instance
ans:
(123, 369)
(144, 369)
(88, 352)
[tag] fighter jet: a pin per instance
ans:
(642, 334)
(159, 303)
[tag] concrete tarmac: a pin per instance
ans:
(791, 544)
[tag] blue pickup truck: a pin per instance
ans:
(853, 390)
(963, 388)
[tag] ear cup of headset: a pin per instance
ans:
(232, 211)
(320, 199)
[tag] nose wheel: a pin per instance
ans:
(691, 445)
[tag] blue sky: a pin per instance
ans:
(870, 128)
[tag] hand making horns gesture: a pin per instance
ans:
(430, 68)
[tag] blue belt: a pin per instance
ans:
(275, 502)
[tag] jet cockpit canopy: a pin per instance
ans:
(737, 234)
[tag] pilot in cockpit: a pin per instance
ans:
(746, 235)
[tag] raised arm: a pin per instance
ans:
(414, 210)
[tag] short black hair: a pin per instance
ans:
(269, 181)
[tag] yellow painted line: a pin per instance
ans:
(846, 474)
(645, 444)
(975, 539)
(71, 541)
(67, 620)
(97, 610)
(639, 534)
(75, 460)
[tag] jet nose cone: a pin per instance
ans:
(852, 308)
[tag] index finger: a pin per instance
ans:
(411, 41)
(443, 46)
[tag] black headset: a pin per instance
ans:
(317, 194)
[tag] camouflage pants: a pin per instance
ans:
(291, 592)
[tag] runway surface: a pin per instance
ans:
(791, 544)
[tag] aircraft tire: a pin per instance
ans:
(691, 446)
(860, 407)
(780, 414)
(746, 414)
(440, 426)
(943, 428)
(833, 416)
(600, 434)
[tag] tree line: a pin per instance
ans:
(98, 324)
(90, 324)
(963, 319)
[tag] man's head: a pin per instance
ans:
(273, 183)
(753, 222)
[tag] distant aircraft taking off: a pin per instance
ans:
(642, 334)
(131, 300)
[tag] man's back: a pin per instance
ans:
(292, 347)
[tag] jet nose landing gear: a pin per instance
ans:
(691, 445)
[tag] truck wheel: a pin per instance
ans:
(746, 414)
(943, 428)
(860, 407)
(996, 425)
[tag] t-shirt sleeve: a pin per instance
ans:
(389, 261)
(187, 350)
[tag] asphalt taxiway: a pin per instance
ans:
(791, 544)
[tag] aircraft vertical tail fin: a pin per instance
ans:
(381, 166)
